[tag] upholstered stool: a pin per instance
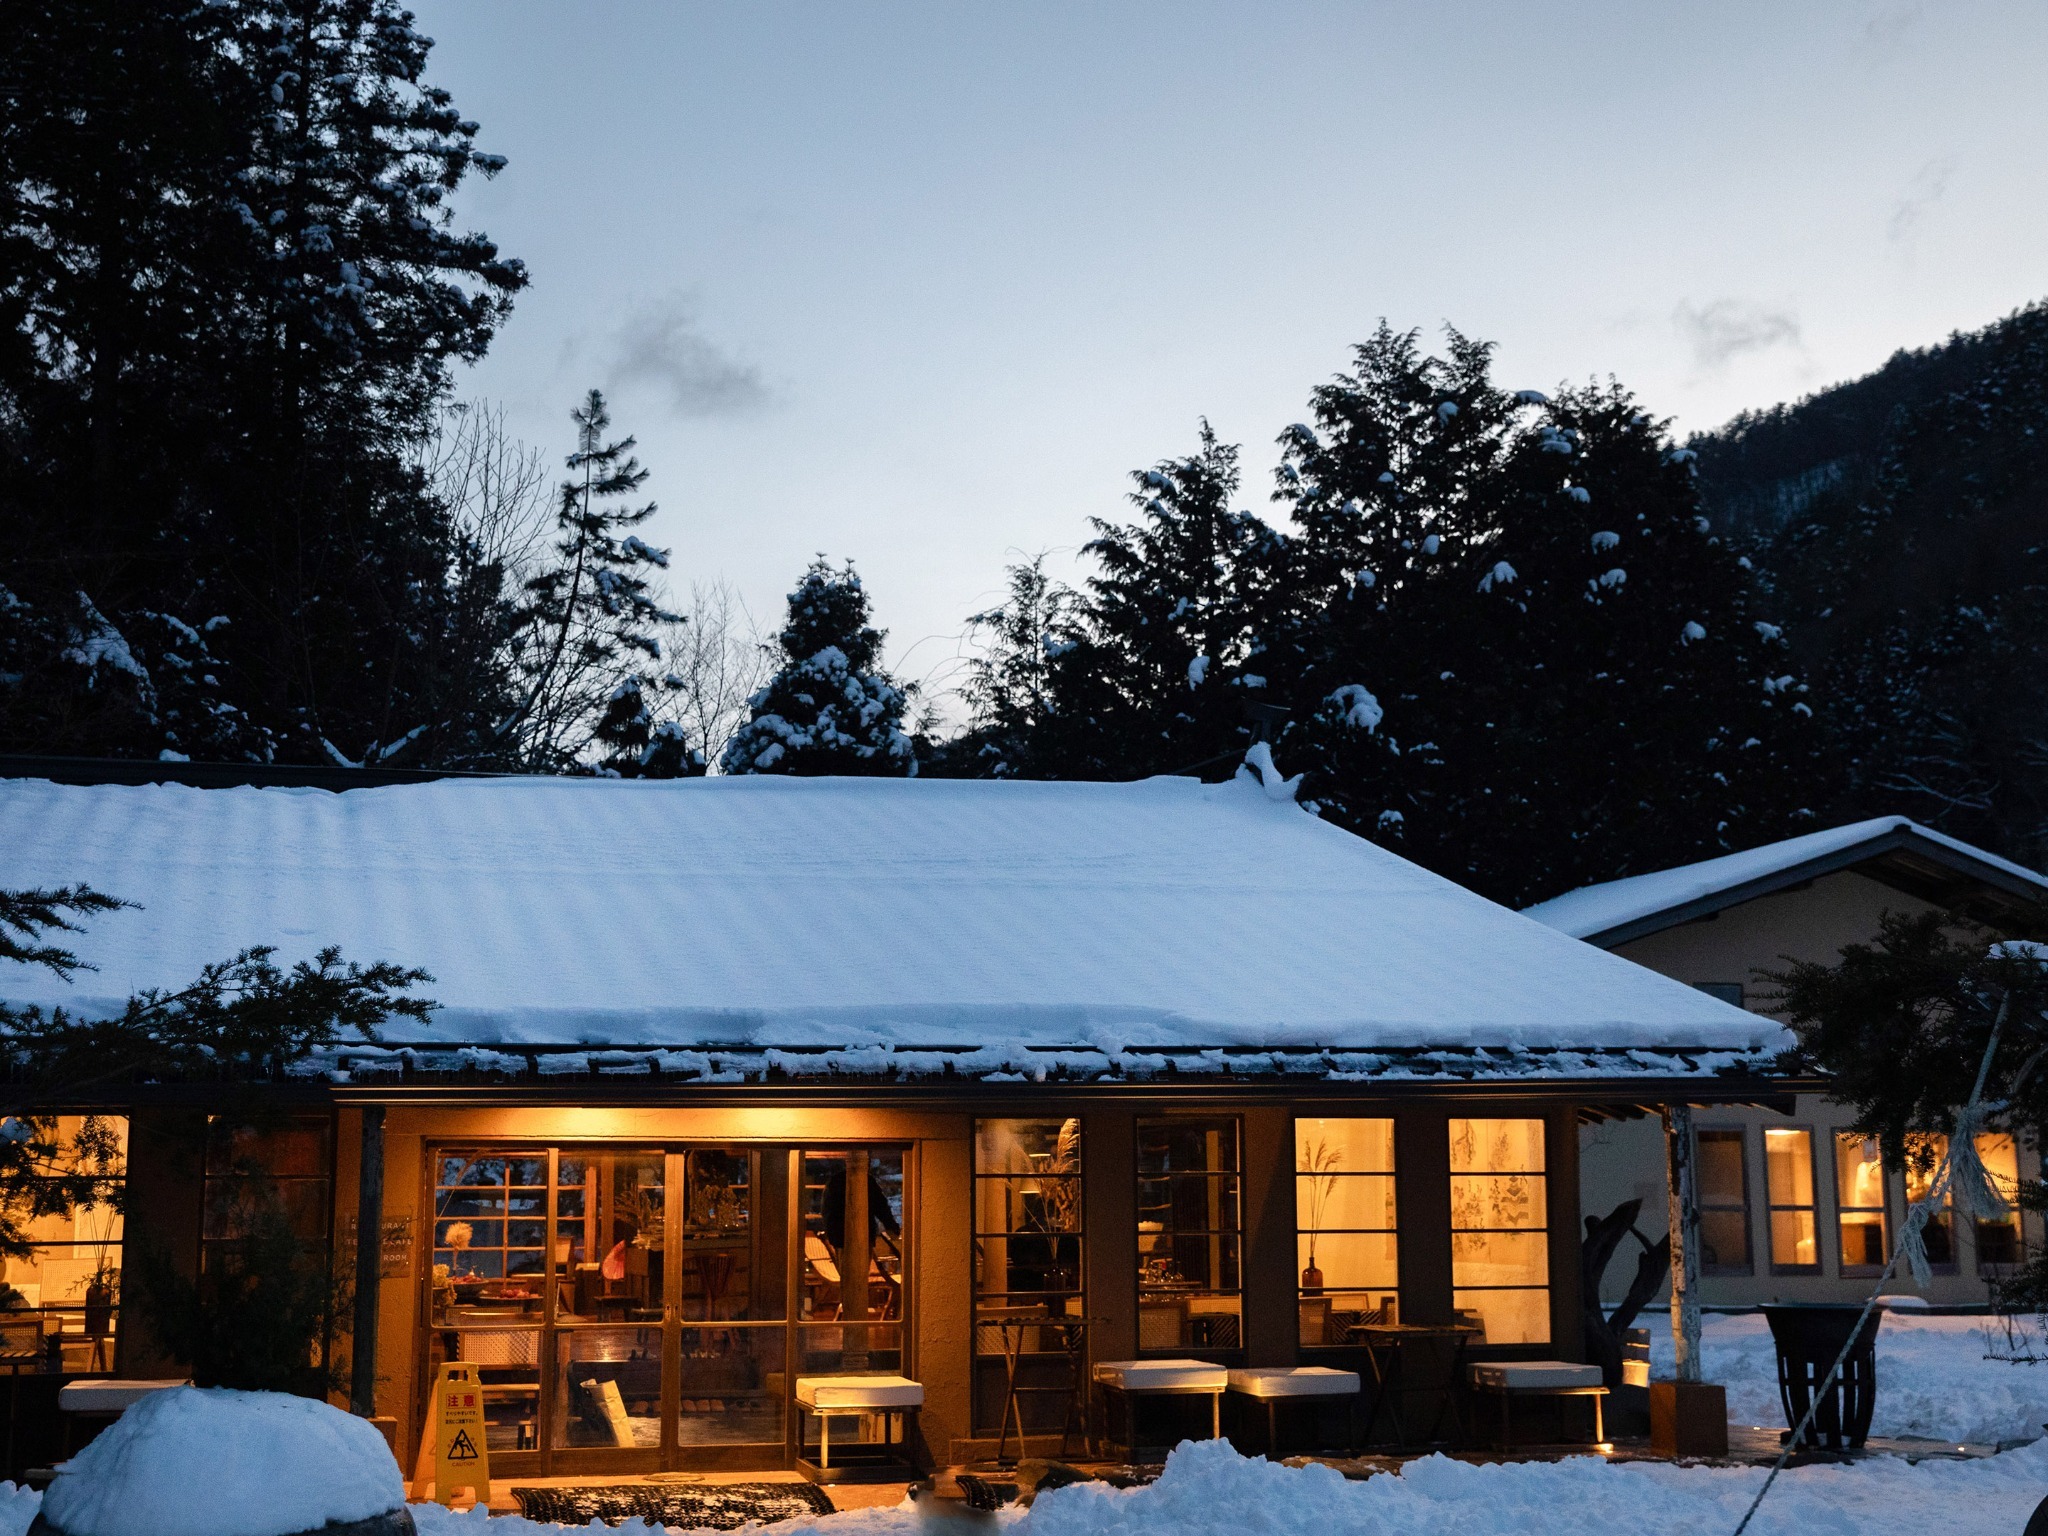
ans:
(1510, 1379)
(1137, 1379)
(1274, 1385)
(896, 1399)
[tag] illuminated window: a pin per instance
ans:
(60, 1301)
(1724, 1202)
(1859, 1202)
(1500, 1246)
(1028, 1290)
(1189, 1235)
(1788, 1187)
(1924, 1155)
(1998, 1240)
(1344, 1227)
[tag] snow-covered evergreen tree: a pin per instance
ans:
(233, 294)
(1502, 635)
(829, 708)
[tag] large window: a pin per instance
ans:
(1925, 1152)
(1189, 1260)
(60, 1301)
(1344, 1227)
(1788, 1187)
(1998, 1240)
(1859, 1203)
(1724, 1201)
(1029, 1301)
(1500, 1243)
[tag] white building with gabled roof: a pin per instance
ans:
(1793, 1208)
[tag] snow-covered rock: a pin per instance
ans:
(195, 1461)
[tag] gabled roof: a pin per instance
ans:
(1893, 849)
(838, 915)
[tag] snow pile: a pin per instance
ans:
(1932, 1378)
(1208, 1490)
(766, 911)
(194, 1461)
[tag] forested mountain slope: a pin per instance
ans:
(1901, 523)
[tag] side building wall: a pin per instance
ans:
(1624, 1159)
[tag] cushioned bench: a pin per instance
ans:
(1136, 1379)
(1274, 1385)
(1510, 1379)
(826, 1398)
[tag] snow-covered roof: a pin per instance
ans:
(838, 915)
(1619, 910)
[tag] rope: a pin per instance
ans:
(1916, 1218)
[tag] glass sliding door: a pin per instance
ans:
(733, 1290)
(611, 1303)
(633, 1308)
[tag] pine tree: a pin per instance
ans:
(592, 615)
(1500, 635)
(232, 296)
(829, 708)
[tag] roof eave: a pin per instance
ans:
(1835, 861)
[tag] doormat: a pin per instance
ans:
(705, 1506)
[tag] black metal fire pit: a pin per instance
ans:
(1809, 1336)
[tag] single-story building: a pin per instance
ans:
(740, 1081)
(1792, 1206)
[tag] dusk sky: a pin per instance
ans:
(919, 284)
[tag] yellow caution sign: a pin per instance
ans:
(462, 1458)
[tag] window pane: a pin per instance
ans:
(1186, 1146)
(1508, 1317)
(1724, 1239)
(1859, 1172)
(1513, 1200)
(1788, 1166)
(1335, 1203)
(1863, 1243)
(1720, 1168)
(1351, 1260)
(1499, 1258)
(1998, 1241)
(1792, 1238)
(1925, 1152)
(1496, 1146)
(1344, 1146)
(2001, 1158)
(608, 1387)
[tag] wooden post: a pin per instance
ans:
(1685, 1241)
(854, 1260)
(362, 1394)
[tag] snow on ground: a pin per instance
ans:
(1208, 1490)
(1932, 1377)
